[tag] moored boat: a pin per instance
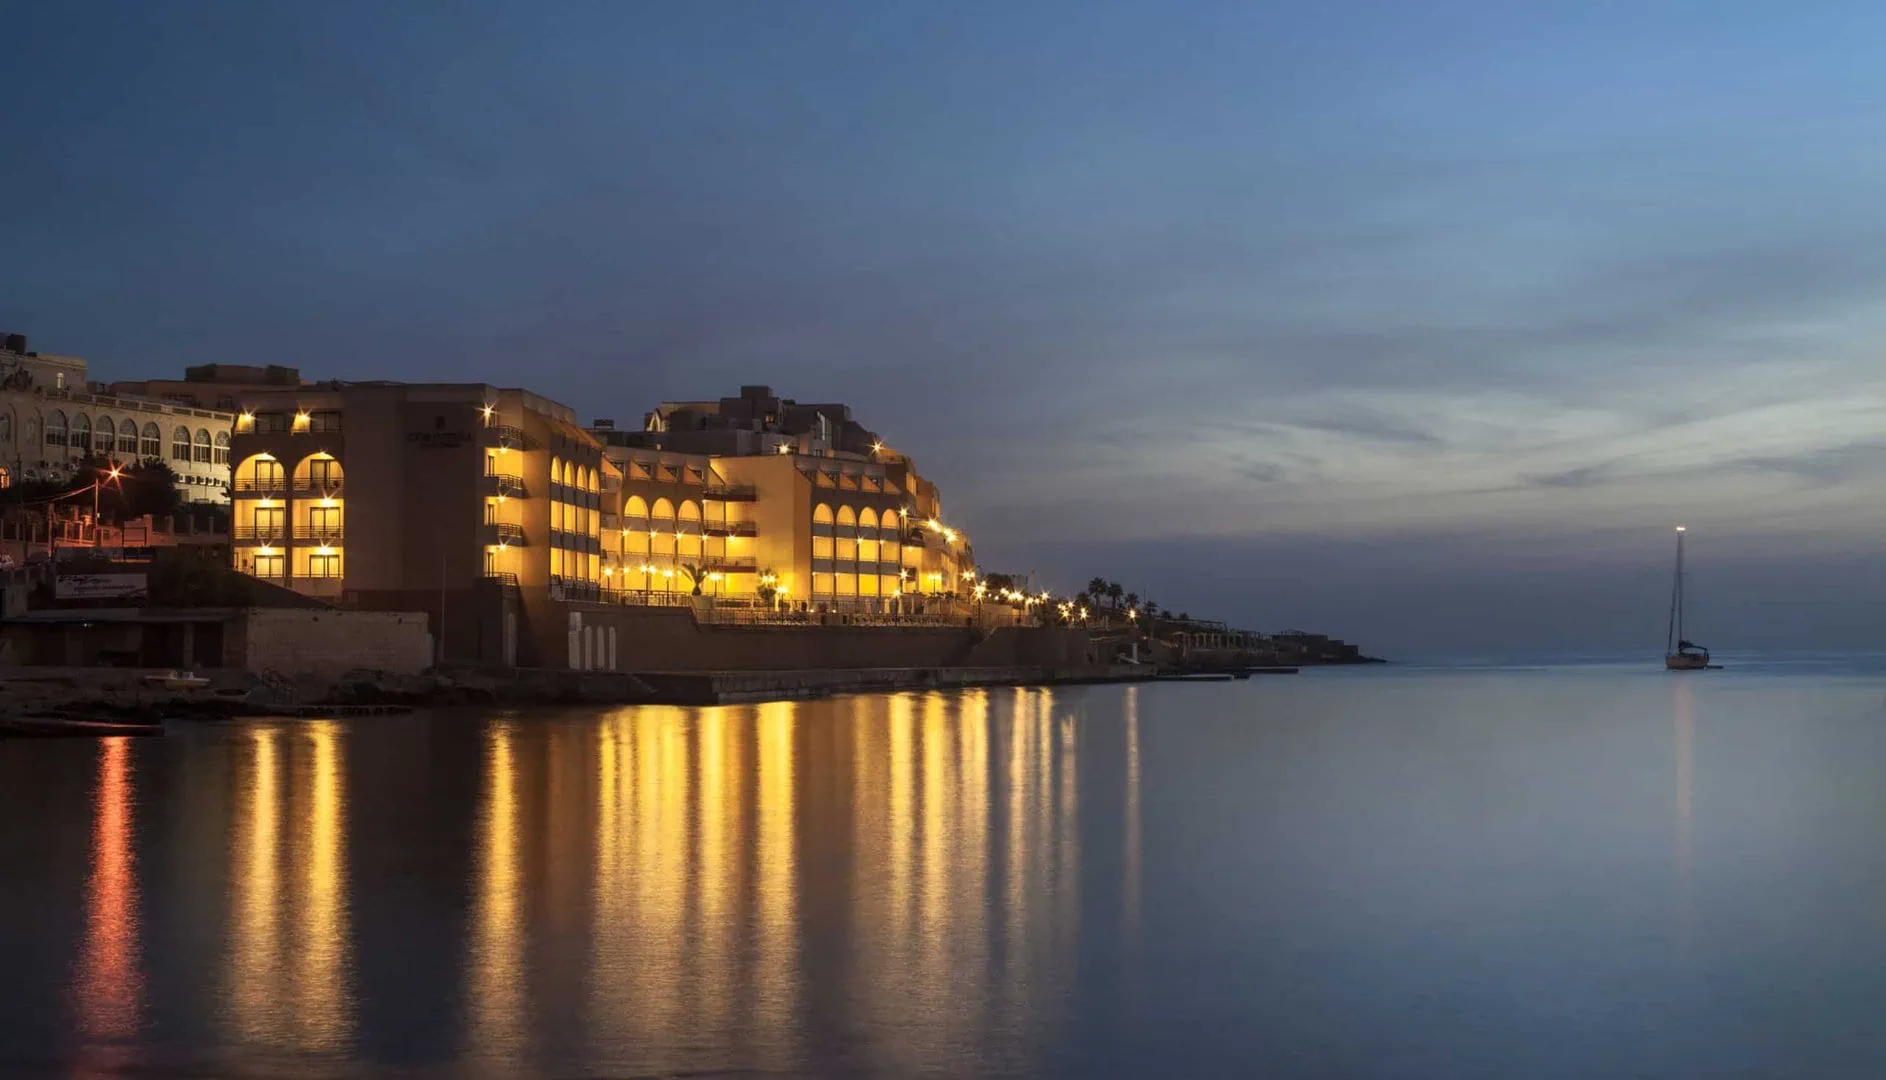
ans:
(1681, 654)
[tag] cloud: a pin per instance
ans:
(1581, 477)
(1827, 466)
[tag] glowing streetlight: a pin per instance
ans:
(1680, 528)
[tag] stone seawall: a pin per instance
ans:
(726, 688)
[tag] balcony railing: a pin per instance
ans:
(502, 577)
(730, 528)
(508, 484)
(731, 492)
(562, 588)
(323, 485)
(732, 566)
(269, 534)
(503, 532)
(649, 597)
(326, 534)
(511, 438)
(276, 486)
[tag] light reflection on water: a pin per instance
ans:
(1361, 877)
(289, 986)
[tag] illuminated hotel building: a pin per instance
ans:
(476, 504)
(755, 489)
(531, 541)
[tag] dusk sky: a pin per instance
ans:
(1419, 323)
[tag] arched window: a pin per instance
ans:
(204, 447)
(55, 429)
(847, 516)
(636, 507)
(556, 470)
(6, 428)
(82, 433)
(690, 511)
(822, 514)
(128, 437)
(320, 474)
(664, 510)
(30, 433)
(222, 448)
(107, 435)
(867, 518)
(260, 473)
(152, 443)
(180, 444)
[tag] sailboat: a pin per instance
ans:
(1680, 654)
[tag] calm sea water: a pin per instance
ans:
(1477, 871)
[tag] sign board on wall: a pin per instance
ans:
(99, 586)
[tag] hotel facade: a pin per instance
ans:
(521, 532)
(762, 497)
(473, 503)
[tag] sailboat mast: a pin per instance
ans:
(1674, 633)
(1679, 588)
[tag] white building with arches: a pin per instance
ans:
(51, 422)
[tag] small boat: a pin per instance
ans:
(178, 680)
(1681, 654)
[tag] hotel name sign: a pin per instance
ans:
(439, 440)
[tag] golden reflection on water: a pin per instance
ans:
(1129, 862)
(933, 837)
(289, 956)
(496, 967)
(110, 988)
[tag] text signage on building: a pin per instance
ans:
(98, 586)
(439, 439)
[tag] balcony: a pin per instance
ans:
(508, 485)
(325, 534)
(494, 533)
(730, 493)
(504, 435)
(326, 487)
(265, 487)
(259, 534)
(742, 565)
(502, 577)
(730, 528)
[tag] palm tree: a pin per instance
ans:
(1114, 592)
(697, 573)
(1097, 588)
(1132, 600)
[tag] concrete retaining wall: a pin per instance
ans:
(330, 643)
(668, 639)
